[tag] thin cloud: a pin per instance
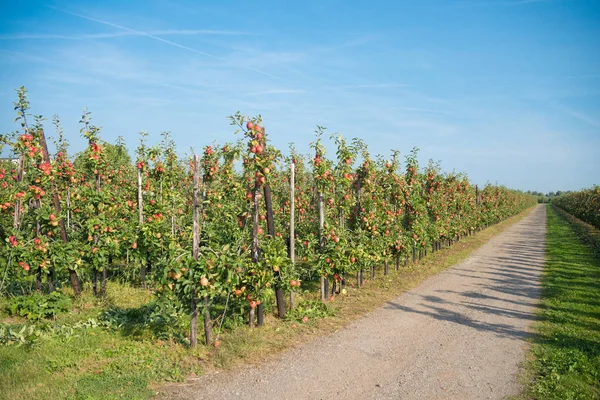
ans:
(168, 32)
(279, 91)
(19, 56)
(159, 39)
(521, 2)
(374, 86)
(579, 115)
(347, 45)
(584, 77)
(425, 110)
(107, 65)
(483, 3)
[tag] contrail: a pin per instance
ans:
(162, 40)
(44, 36)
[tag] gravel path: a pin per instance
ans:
(459, 335)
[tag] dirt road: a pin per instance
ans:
(459, 335)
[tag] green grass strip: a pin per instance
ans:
(566, 351)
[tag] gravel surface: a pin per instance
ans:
(459, 335)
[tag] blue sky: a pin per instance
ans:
(507, 91)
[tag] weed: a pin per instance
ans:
(38, 306)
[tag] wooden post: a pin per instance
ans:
(61, 221)
(359, 274)
(68, 208)
(38, 233)
(140, 201)
(20, 166)
(195, 251)
(96, 240)
(140, 197)
(255, 216)
(206, 314)
(292, 222)
(322, 240)
(255, 255)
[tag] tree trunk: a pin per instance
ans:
(105, 277)
(38, 281)
(207, 321)
(95, 282)
(51, 275)
(251, 318)
(260, 314)
(194, 319)
(75, 282)
(271, 232)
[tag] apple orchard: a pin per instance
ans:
(241, 227)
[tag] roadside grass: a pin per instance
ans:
(94, 363)
(132, 360)
(587, 233)
(564, 362)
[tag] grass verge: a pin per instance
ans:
(101, 363)
(587, 233)
(92, 363)
(564, 361)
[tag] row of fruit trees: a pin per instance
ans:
(584, 204)
(215, 228)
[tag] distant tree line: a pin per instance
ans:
(547, 197)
